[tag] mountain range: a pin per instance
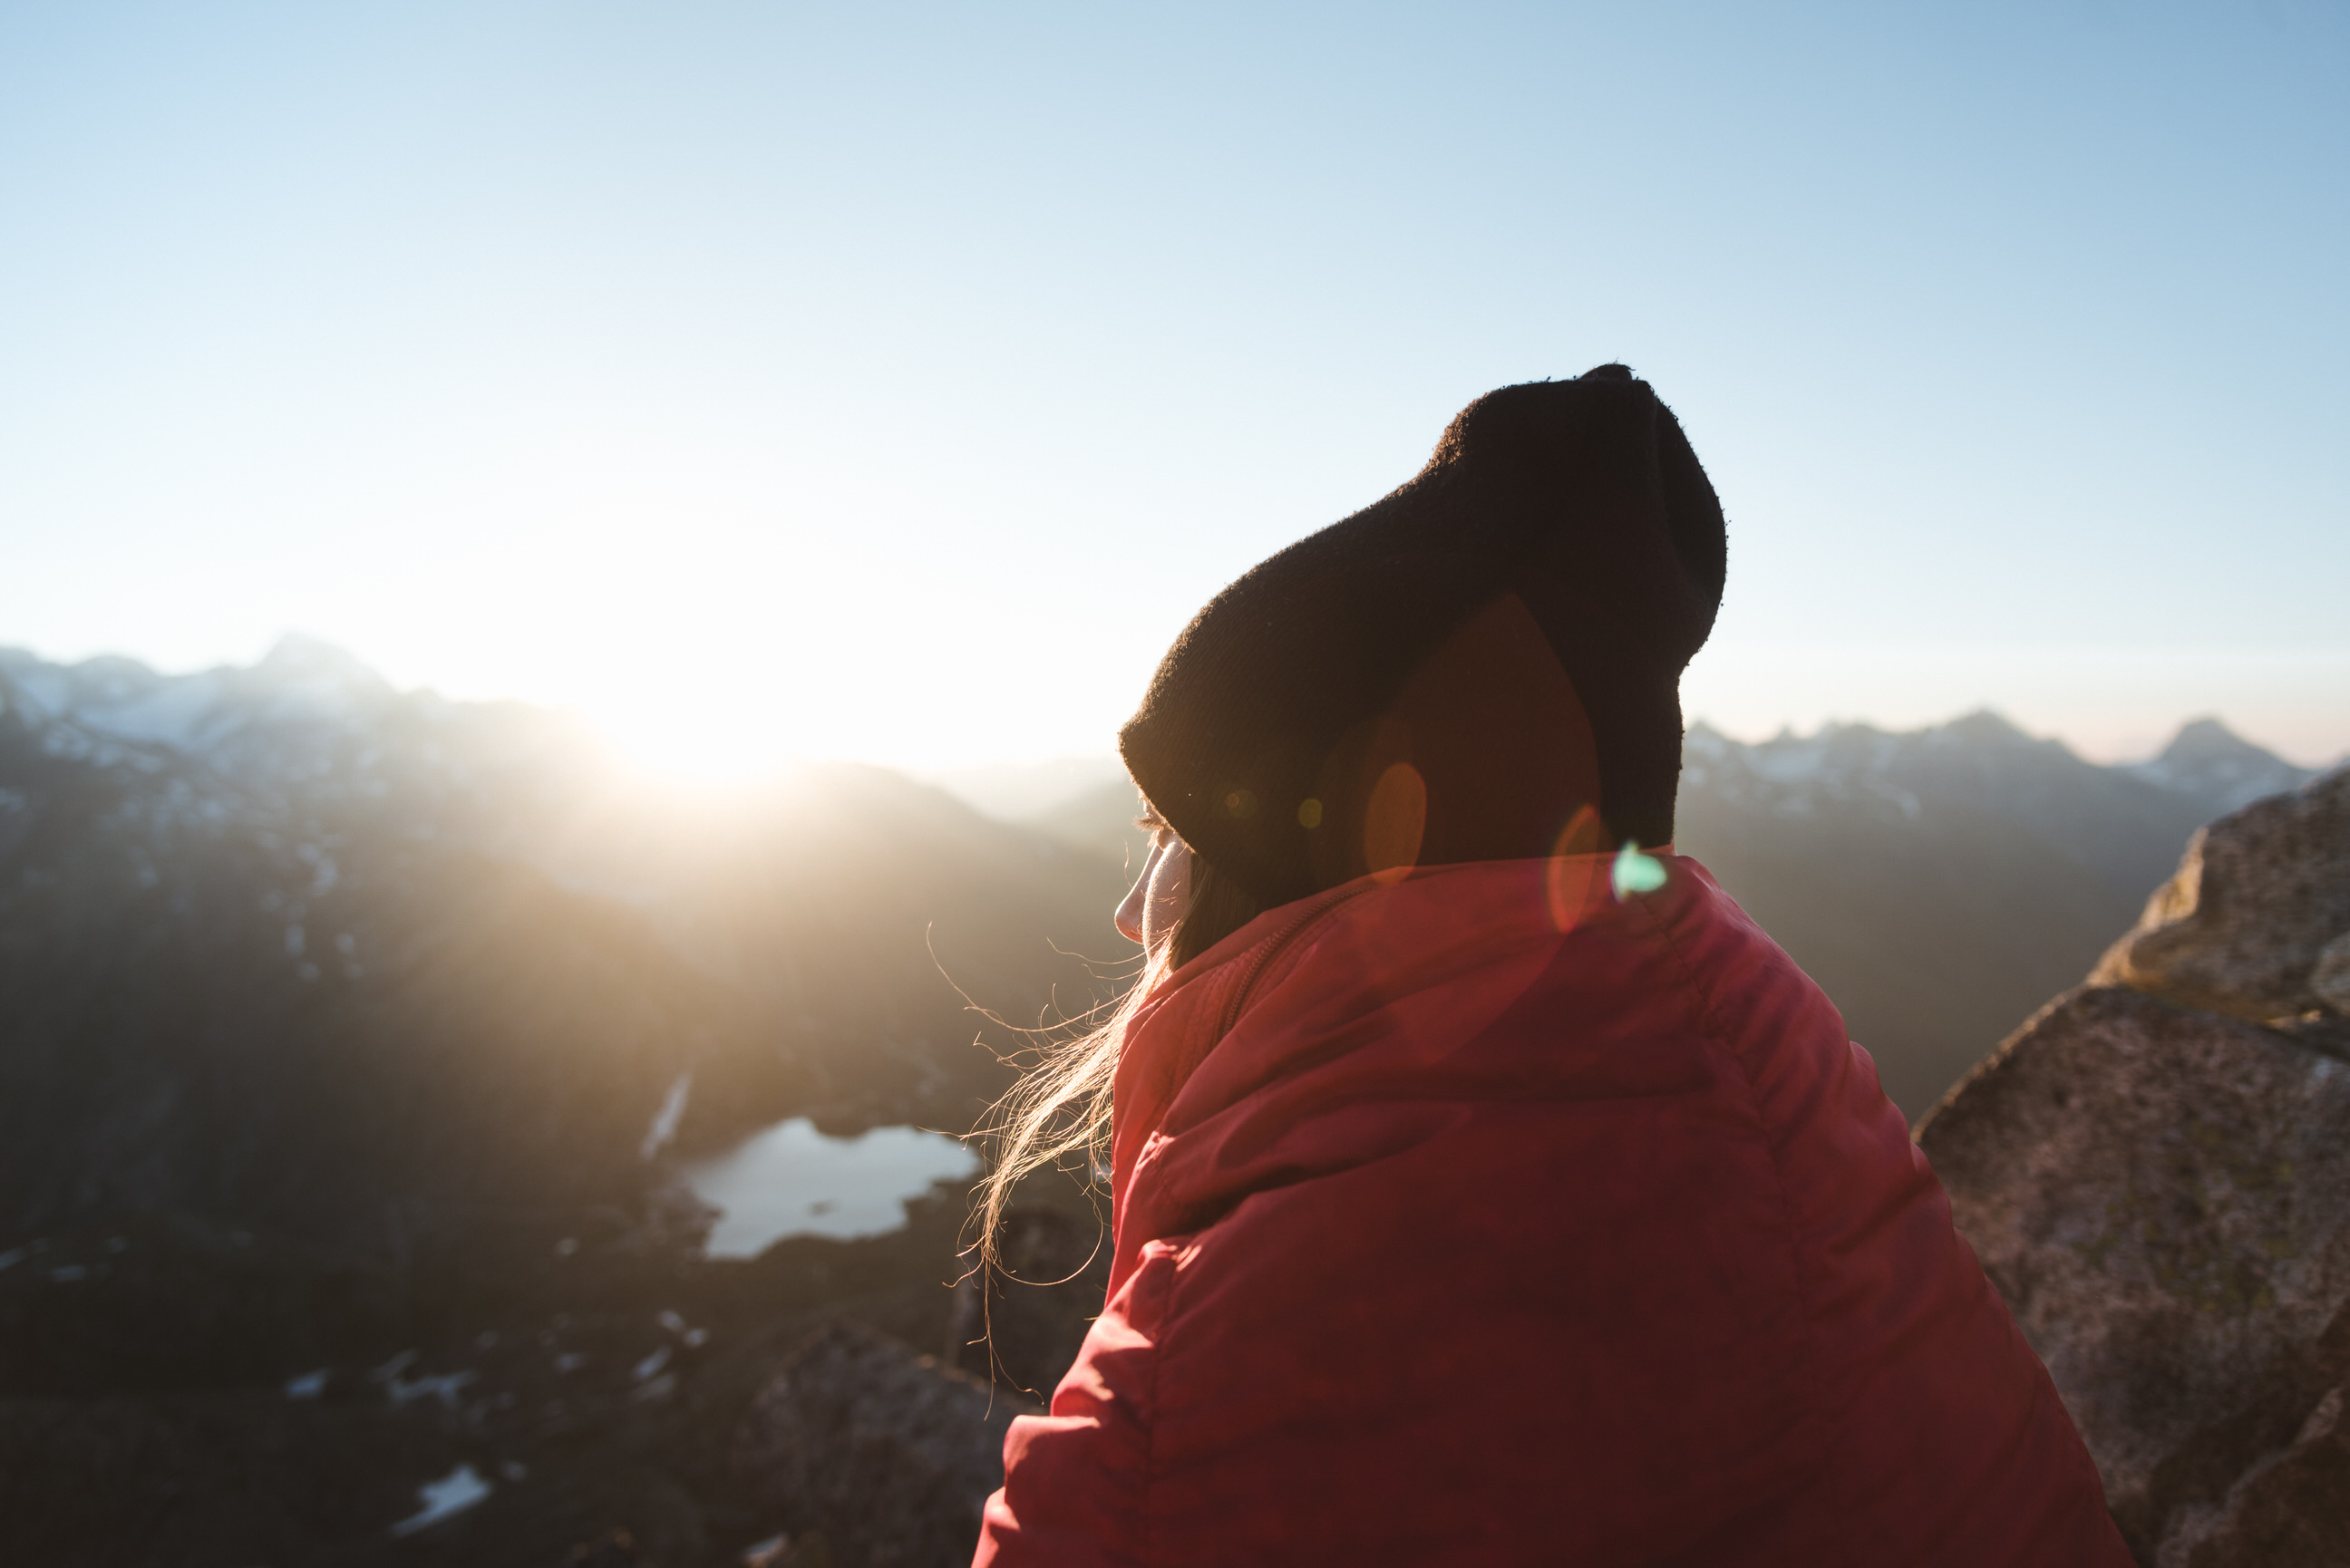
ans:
(338, 1029)
(1939, 884)
(337, 1025)
(284, 943)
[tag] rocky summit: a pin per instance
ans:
(2156, 1173)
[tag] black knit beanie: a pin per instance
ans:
(1484, 665)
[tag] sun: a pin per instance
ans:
(703, 744)
(698, 722)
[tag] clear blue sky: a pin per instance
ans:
(895, 381)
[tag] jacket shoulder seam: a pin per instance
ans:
(1709, 1017)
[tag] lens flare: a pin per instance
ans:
(1634, 872)
(1573, 866)
(1394, 822)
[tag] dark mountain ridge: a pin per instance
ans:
(283, 944)
(335, 1023)
(1940, 883)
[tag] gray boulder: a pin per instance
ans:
(2244, 928)
(2330, 978)
(2159, 1187)
(886, 1452)
(2163, 1198)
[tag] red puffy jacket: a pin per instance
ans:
(1487, 1217)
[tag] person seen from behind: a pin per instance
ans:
(1487, 1188)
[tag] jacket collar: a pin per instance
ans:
(1429, 959)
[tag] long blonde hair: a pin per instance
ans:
(1062, 1106)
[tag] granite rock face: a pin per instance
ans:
(2256, 910)
(2163, 1198)
(2329, 978)
(886, 1452)
(2156, 1174)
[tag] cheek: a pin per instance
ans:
(1171, 882)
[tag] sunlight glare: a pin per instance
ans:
(709, 741)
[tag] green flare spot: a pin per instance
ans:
(1636, 873)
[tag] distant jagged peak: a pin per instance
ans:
(1844, 747)
(302, 683)
(297, 659)
(1984, 759)
(1985, 724)
(112, 678)
(1851, 731)
(2212, 763)
(115, 691)
(2201, 740)
(56, 699)
(1987, 727)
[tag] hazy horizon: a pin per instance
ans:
(1014, 783)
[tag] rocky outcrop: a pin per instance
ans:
(2329, 979)
(886, 1453)
(2254, 922)
(2156, 1173)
